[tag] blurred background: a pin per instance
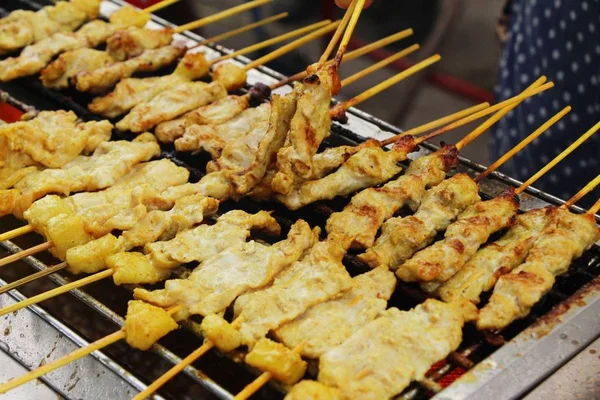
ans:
(465, 76)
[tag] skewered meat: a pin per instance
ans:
(198, 244)
(231, 76)
(473, 227)
(109, 162)
(22, 28)
(36, 56)
(213, 138)
(108, 209)
(102, 79)
(53, 138)
(132, 42)
(156, 225)
(311, 390)
(381, 359)
(133, 91)
(369, 167)
(273, 138)
(329, 324)
(402, 237)
(318, 277)
(170, 104)
(58, 73)
(564, 239)
(284, 365)
(145, 324)
(482, 271)
(215, 113)
(220, 279)
(367, 211)
(310, 125)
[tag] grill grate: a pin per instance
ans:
(226, 376)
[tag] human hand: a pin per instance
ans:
(346, 3)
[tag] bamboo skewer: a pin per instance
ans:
(356, 11)
(490, 110)
(380, 64)
(33, 277)
(221, 15)
(16, 233)
(595, 208)
(245, 28)
(159, 6)
(69, 358)
(388, 83)
(558, 158)
(291, 46)
(544, 127)
(338, 34)
(26, 253)
(272, 41)
(582, 193)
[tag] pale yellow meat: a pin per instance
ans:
(273, 138)
(58, 74)
(215, 184)
(312, 390)
(381, 359)
(402, 237)
(215, 113)
(156, 225)
(145, 324)
(318, 277)
(482, 271)
(369, 167)
(310, 125)
(231, 76)
(214, 137)
(53, 138)
(133, 91)
(109, 162)
(133, 41)
(282, 363)
(220, 279)
(329, 324)
(170, 104)
(473, 227)
(369, 209)
(102, 79)
(563, 240)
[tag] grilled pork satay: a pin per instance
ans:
(58, 74)
(133, 41)
(329, 324)
(367, 211)
(214, 138)
(482, 271)
(156, 225)
(133, 91)
(381, 359)
(318, 277)
(170, 104)
(53, 138)
(79, 218)
(36, 56)
(102, 79)
(564, 239)
(402, 237)
(109, 162)
(215, 113)
(473, 227)
(21, 28)
(219, 280)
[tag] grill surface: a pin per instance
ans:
(563, 323)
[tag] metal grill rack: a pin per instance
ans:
(509, 365)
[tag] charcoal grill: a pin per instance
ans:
(506, 366)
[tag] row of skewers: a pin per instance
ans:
(298, 289)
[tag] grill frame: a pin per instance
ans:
(484, 378)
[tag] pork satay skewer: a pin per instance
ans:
(21, 28)
(185, 97)
(500, 257)
(102, 79)
(128, 51)
(36, 56)
(228, 108)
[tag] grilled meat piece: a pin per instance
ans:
(58, 74)
(231, 76)
(563, 240)
(133, 41)
(145, 324)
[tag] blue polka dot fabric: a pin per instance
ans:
(561, 40)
